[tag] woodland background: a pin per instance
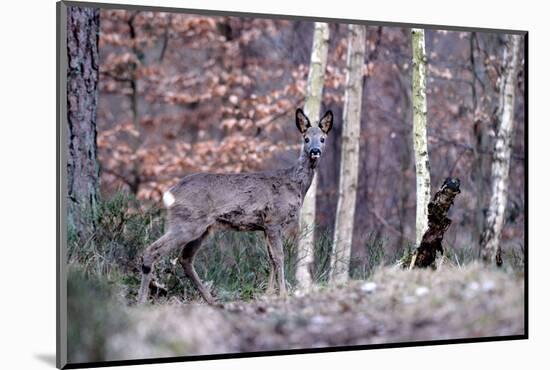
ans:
(185, 93)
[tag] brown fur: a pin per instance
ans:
(267, 201)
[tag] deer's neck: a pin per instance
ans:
(303, 172)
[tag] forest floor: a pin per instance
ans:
(395, 305)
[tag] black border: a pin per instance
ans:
(59, 157)
(526, 181)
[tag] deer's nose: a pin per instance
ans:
(315, 152)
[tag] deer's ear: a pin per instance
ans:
(325, 124)
(302, 122)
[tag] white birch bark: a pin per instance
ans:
(312, 106)
(420, 138)
(349, 162)
(500, 168)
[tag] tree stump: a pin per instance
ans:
(438, 223)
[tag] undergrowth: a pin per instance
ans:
(234, 265)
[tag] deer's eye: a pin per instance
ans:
(307, 139)
(322, 139)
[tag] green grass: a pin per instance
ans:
(122, 232)
(235, 265)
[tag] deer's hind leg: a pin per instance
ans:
(161, 246)
(186, 260)
(174, 238)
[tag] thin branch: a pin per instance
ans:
(115, 77)
(470, 148)
(280, 115)
(166, 38)
(117, 175)
(388, 226)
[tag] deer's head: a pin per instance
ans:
(313, 136)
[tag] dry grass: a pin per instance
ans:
(393, 306)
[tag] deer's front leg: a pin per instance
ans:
(272, 267)
(275, 243)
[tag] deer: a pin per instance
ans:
(268, 201)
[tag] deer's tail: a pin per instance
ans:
(168, 199)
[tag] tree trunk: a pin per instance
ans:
(405, 158)
(478, 175)
(500, 169)
(312, 106)
(438, 224)
(135, 177)
(420, 111)
(82, 79)
(349, 162)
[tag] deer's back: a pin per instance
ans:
(246, 201)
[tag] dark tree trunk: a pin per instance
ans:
(438, 223)
(82, 80)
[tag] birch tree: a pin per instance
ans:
(82, 80)
(500, 168)
(420, 110)
(349, 162)
(312, 106)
